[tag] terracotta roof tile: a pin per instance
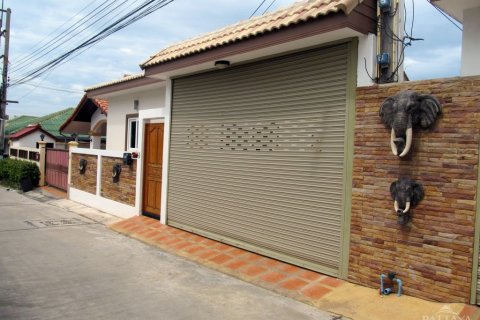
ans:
(297, 13)
(25, 131)
(101, 104)
(29, 129)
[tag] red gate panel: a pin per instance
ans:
(56, 168)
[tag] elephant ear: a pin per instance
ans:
(393, 189)
(417, 193)
(429, 110)
(387, 111)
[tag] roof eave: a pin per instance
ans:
(39, 128)
(74, 113)
(117, 87)
(335, 21)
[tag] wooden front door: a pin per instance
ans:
(152, 174)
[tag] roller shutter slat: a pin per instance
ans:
(256, 155)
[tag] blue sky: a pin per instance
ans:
(437, 56)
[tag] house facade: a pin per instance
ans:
(283, 98)
(265, 135)
(25, 131)
(29, 136)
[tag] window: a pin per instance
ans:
(132, 133)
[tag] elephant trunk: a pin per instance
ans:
(402, 214)
(408, 144)
(402, 135)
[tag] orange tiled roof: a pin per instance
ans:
(297, 13)
(102, 105)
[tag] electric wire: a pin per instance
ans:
(271, 3)
(70, 35)
(89, 37)
(39, 85)
(84, 49)
(413, 18)
(69, 31)
(132, 16)
(403, 42)
(261, 4)
(448, 18)
(105, 23)
(34, 48)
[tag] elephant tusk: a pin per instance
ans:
(395, 206)
(408, 143)
(392, 143)
(407, 207)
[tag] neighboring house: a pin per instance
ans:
(24, 132)
(89, 118)
(30, 135)
(15, 124)
(467, 12)
(266, 135)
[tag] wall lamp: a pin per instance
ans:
(222, 64)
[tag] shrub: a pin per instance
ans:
(12, 171)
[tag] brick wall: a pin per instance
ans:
(88, 181)
(124, 190)
(432, 255)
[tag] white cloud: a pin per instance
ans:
(127, 51)
(434, 63)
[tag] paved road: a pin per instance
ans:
(78, 269)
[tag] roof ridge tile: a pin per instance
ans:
(298, 12)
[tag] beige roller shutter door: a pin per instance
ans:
(478, 281)
(257, 156)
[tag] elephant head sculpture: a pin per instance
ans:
(406, 193)
(404, 111)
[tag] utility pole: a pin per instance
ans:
(3, 89)
(390, 41)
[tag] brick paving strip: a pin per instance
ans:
(289, 280)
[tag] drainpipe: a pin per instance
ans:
(382, 277)
(399, 282)
(386, 291)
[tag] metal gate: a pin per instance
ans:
(56, 168)
(257, 156)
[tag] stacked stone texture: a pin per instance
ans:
(433, 255)
(88, 181)
(124, 190)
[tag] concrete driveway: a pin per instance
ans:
(55, 264)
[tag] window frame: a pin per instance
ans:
(131, 118)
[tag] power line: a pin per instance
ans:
(33, 48)
(101, 18)
(38, 85)
(261, 4)
(138, 13)
(69, 35)
(271, 3)
(446, 16)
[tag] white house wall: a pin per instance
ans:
(366, 64)
(30, 140)
(471, 42)
(122, 105)
(96, 118)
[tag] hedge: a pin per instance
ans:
(12, 171)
